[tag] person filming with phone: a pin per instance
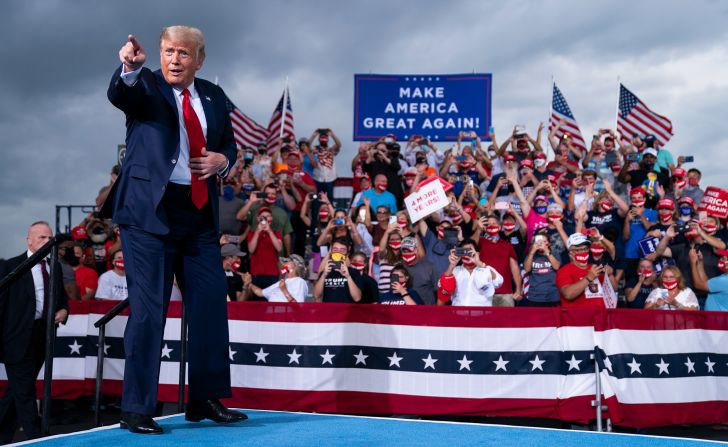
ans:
(475, 282)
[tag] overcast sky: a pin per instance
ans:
(58, 132)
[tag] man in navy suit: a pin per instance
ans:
(22, 334)
(179, 140)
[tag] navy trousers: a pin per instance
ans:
(191, 251)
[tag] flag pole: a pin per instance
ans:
(551, 112)
(616, 115)
(283, 109)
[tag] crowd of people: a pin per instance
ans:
(614, 225)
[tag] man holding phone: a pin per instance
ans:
(475, 282)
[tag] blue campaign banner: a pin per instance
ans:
(436, 107)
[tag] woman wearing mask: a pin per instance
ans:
(390, 254)
(112, 284)
(672, 294)
(541, 266)
(370, 289)
(292, 286)
(639, 287)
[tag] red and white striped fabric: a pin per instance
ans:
(281, 118)
(658, 367)
(560, 110)
(247, 132)
(636, 119)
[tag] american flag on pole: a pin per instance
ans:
(281, 123)
(247, 132)
(635, 118)
(560, 111)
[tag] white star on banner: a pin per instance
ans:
(327, 357)
(500, 363)
(710, 365)
(76, 348)
(690, 364)
(394, 360)
(422, 79)
(536, 364)
(166, 351)
(608, 363)
(260, 356)
(437, 79)
(294, 356)
(429, 362)
(406, 79)
(663, 366)
(429, 79)
(574, 363)
(231, 353)
(634, 366)
(465, 363)
(361, 358)
(106, 348)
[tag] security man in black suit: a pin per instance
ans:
(22, 334)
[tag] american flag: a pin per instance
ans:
(246, 130)
(635, 118)
(560, 110)
(278, 120)
(657, 367)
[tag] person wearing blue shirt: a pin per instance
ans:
(379, 196)
(636, 222)
(717, 287)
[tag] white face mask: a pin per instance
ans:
(539, 162)
(491, 154)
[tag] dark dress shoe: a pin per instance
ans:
(140, 423)
(213, 410)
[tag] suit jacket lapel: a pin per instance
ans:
(167, 91)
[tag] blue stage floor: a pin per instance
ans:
(270, 428)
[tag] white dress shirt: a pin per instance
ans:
(181, 173)
(39, 290)
(476, 288)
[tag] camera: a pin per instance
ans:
(424, 141)
(689, 159)
(314, 196)
(262, 220)
(339, 221)
(394, 278)
(420, 160)
(322, 131)
(682, 228)
(462, 251)
(260, 195)
(633, 156)
(336, 265)
(518, 136)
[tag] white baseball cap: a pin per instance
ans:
(577, 239)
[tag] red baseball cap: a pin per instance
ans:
(445, 288)
(79, 233)
(721, 252)
(540, 155)
(678, 172)
(686, 199)
(666, 203)
(526, 162)
(509, 157)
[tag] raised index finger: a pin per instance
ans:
(134, 42)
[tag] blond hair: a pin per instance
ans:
(186, 34)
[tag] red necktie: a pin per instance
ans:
(197, 141)
(46, 287)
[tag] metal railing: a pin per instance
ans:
(100, 357)
(11, 278)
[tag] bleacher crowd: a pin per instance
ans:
(614, 225)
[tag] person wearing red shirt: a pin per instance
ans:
(264, 244)
(87, 279)
(579, 283)
(499, 254)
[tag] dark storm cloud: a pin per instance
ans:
(58, 133)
